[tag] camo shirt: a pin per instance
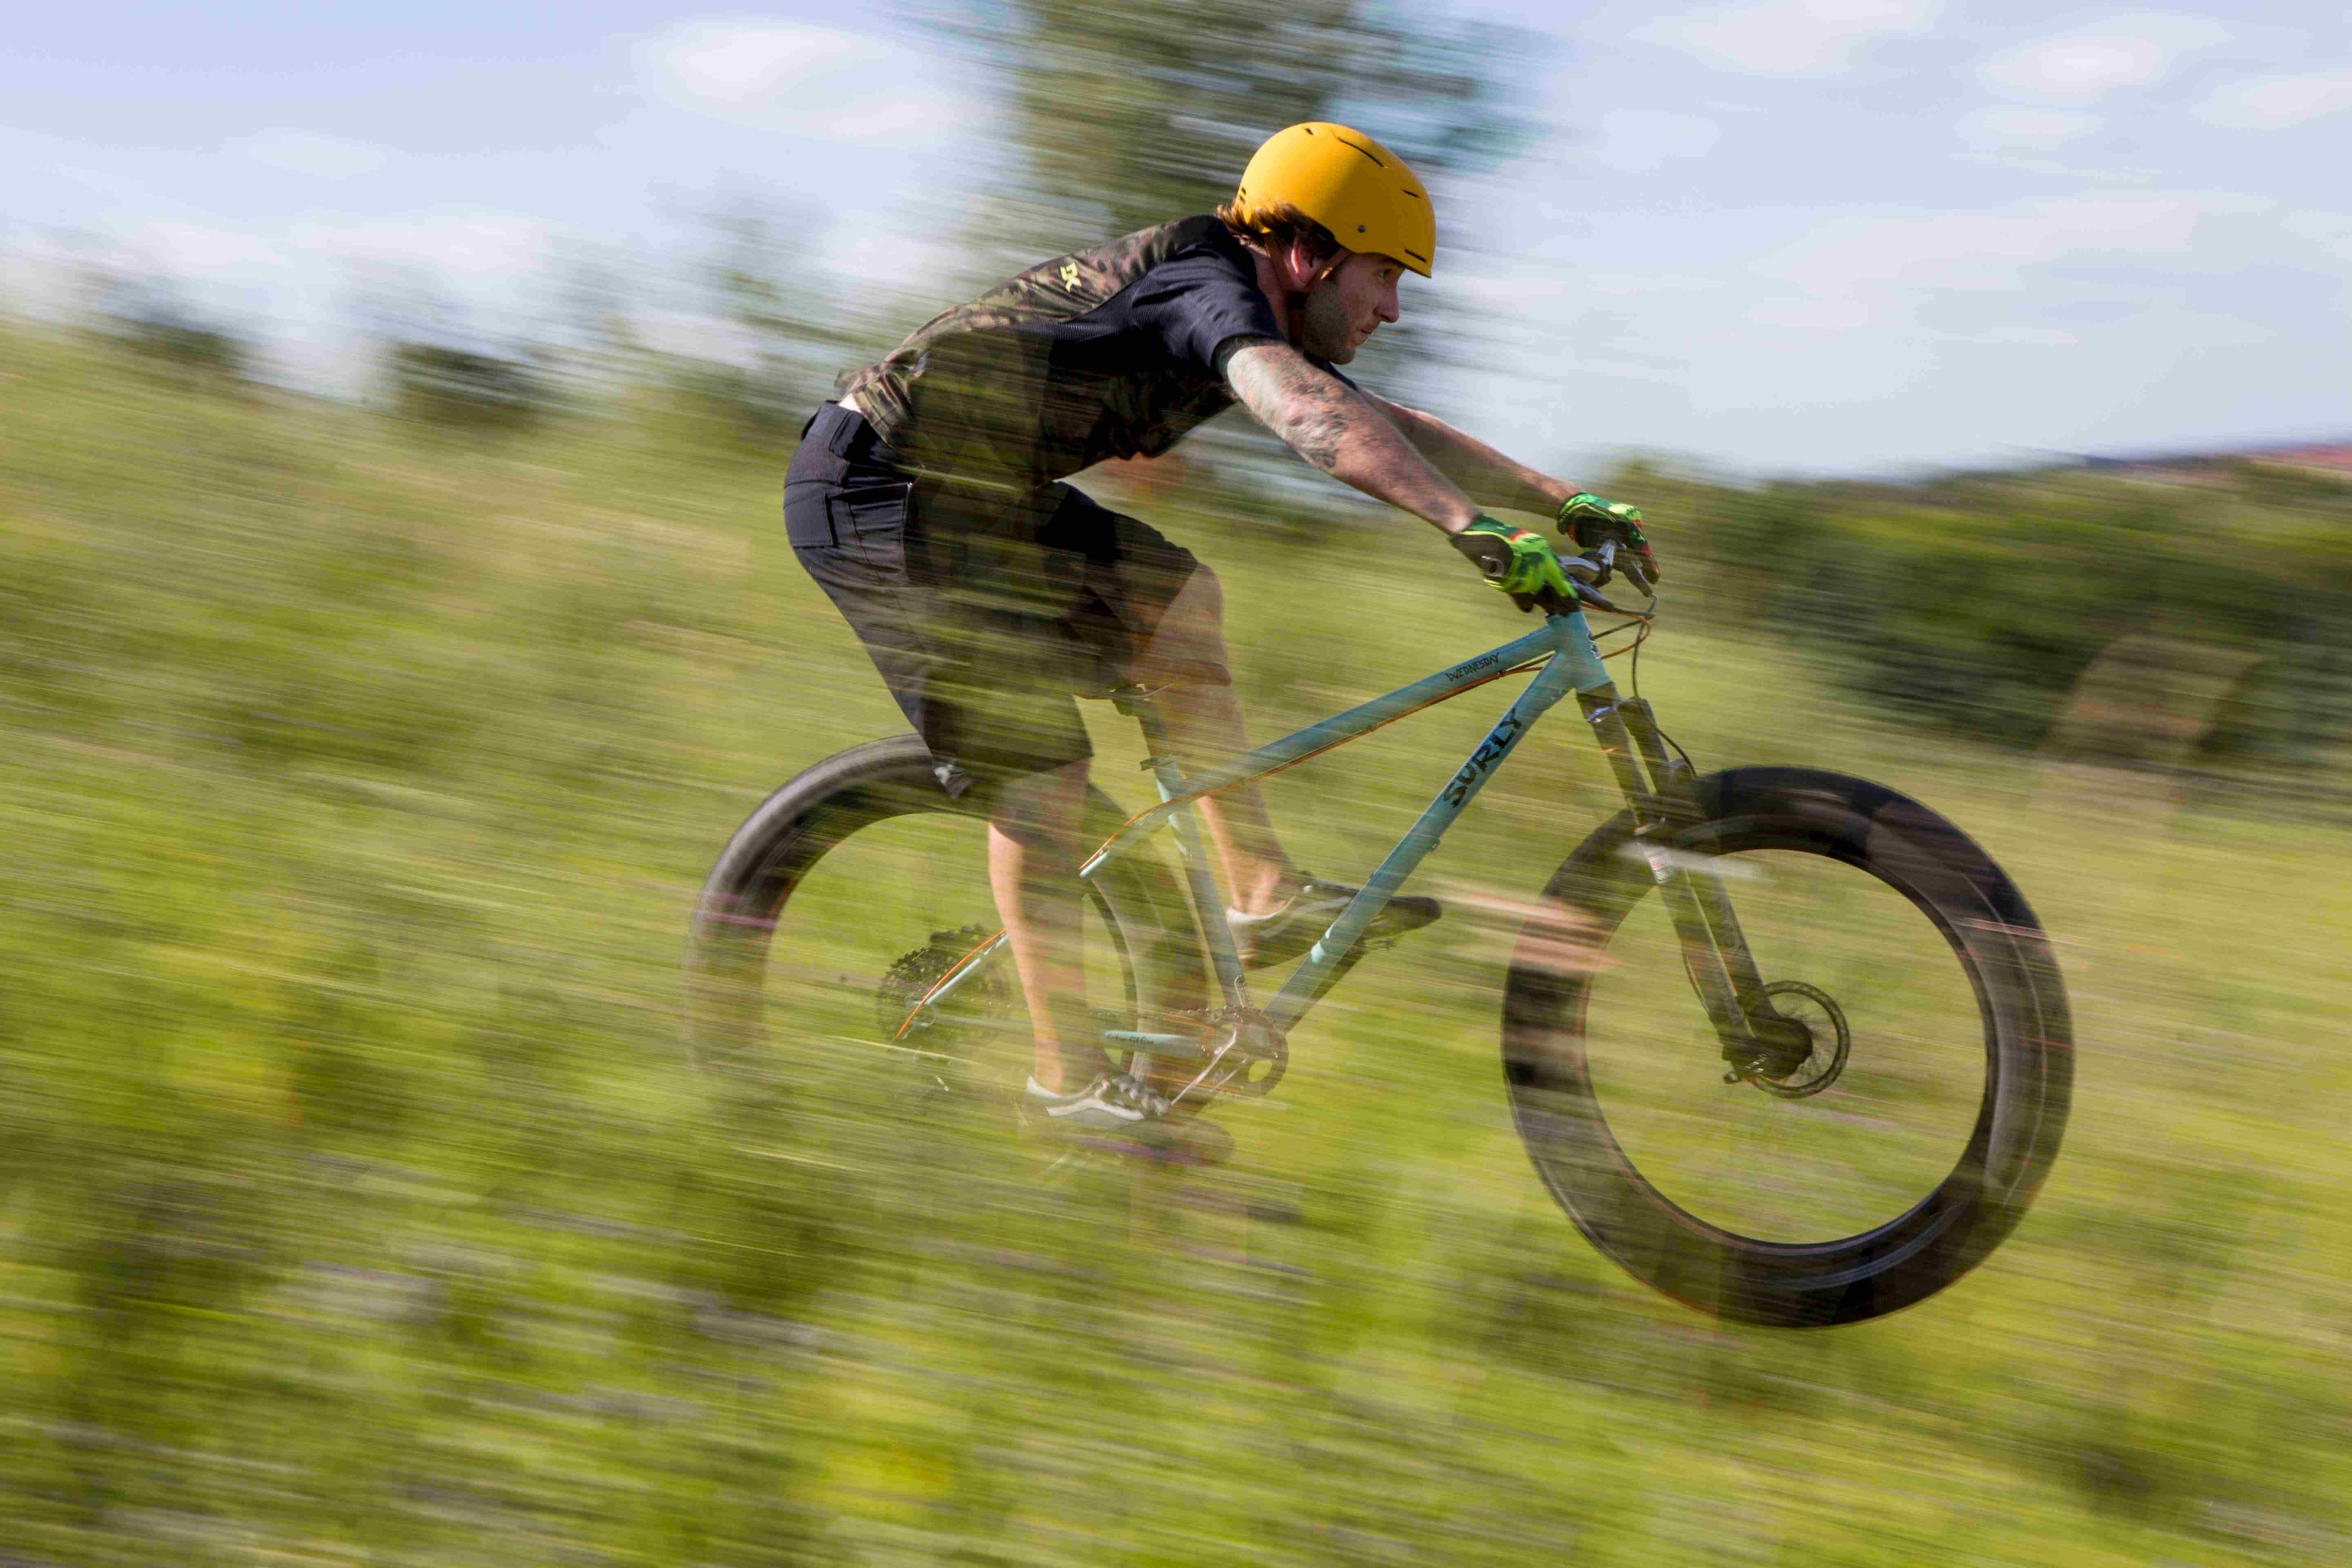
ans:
(1105, 352)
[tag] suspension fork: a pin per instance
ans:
(1662, 797)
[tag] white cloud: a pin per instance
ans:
(328, 157)
(2280, 102)
(824, 83)
(2331, 230)
(1856, 272)
(1812, 315)
(1989, 250)
(469, 244)
(1637, 140)
(2029, 337)
(2011, 125)
(205, 250)
(2128, 51)
(1648, 283)
(1790, 37)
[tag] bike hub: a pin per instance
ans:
(1800, 1049)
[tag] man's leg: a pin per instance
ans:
(1033, 869)
(1204, 721)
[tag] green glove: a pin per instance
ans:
(1519, 562)
(1593, 521)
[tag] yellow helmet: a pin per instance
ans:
(1348, 182)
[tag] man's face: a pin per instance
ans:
(1350, 305)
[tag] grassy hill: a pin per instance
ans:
(361, 1207)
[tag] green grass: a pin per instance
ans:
(361, 1206)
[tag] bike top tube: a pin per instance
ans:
(1565, 639)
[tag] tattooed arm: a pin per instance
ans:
(1339, 430)
(1486, 475)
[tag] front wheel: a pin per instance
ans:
(1879, 1170)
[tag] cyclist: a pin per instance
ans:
(928, 502)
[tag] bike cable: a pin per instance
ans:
(1633, 679)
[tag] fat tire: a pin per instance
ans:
(737, 915)
(2029, 1059)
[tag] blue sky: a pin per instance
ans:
(1795, 235)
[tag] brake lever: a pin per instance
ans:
(1593, 570)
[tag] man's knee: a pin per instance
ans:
(1041, 811)
(1189, 644)
(1203, 596)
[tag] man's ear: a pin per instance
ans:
(1300, 269)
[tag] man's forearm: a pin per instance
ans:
(1481, 472)
(1341, 432)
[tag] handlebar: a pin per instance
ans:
(1585, 571)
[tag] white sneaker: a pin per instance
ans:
(1300, 921)
(1116, 1103)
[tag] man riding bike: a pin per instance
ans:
(928, 502)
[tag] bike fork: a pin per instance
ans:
(1662, 797)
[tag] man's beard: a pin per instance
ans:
(1327, 329)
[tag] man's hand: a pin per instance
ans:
(1519, 562)
(1593, 521)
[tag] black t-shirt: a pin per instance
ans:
(1105, 352)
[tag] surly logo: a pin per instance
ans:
(1463, 671)
(1490, 751)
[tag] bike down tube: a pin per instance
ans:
(1275, 755)
(1575, 664)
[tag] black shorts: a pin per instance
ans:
(986, 610)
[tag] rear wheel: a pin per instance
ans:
(1894, 1138)
(845, 896)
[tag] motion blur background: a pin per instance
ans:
(394, 621)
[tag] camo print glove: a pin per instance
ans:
(1519, 562)
(1593, 521)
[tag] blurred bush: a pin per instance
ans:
(464, 390)
(155, 319)
(1978, 604)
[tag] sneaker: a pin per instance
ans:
(1116, 1105)
(1302, 918)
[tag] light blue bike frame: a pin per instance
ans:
(1569, 663)
(1565, 660)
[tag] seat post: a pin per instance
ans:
(1199, 879)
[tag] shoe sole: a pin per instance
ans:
(1391, 921)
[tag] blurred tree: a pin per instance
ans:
(786, 337)
(1136, 113)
